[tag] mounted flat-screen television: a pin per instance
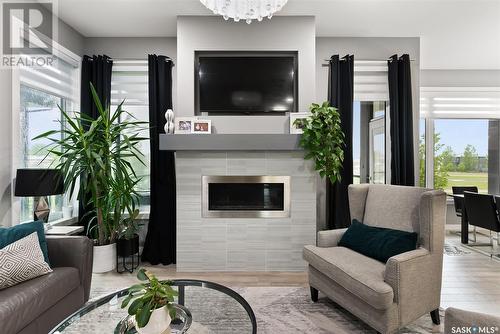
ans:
(246, 82)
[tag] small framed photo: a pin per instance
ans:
(296, 121)
(202, 126)
(184, 124)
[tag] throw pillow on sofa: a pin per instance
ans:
(377, 242)
(14, 233)
(22, 260)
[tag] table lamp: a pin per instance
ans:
(39, 183)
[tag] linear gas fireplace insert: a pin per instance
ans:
(245, 196)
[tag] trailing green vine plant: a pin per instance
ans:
(323, 140)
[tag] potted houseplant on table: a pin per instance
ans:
(323, 140)
(150, 303)
(95, 157)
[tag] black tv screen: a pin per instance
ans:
(245, 84)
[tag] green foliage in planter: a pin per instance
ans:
(96, 154)
(149, 296)
(129, 226)
(323, 140)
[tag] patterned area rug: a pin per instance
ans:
(283, 310)
(452, 250)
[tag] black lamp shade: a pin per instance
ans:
(38, 182)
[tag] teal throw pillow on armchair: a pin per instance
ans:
(377, 242)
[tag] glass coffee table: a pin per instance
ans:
(211, 307)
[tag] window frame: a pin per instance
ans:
(74, 60)
(127, 63)
(430, 119)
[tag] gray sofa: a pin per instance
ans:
(387, 296)
(38, 305)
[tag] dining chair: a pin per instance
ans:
(459, 202)
(482, 212)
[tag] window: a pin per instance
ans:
(461, 153)
(370, 102)
(42, 91)
(421, 153)
(460, 138)
(129, 83)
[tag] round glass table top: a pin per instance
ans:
(214, 308)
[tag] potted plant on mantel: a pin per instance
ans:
(323, 140)
(95, 157)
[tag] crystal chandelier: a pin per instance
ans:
(247, 10)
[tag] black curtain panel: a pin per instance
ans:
(95, 70)
(401, 119)
(341, 95)
(160, 240)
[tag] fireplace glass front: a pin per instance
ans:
(246, 196)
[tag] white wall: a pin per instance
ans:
(460, 78)
(213, 34)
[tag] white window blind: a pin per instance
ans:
(59, 79)
(460, 102)
(370, 80)
(130, 82)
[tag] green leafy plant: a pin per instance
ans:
(96, 154)
(146, 297)
(129, 226)
(323, 140)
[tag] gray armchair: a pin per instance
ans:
(387, 296)
(38, 305)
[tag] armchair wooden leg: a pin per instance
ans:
(314, 294)
(435, 317)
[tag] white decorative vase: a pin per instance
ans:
(169, 124)
(169, 115)
(104, 258)
(158, 323)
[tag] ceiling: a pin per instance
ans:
(455, 34)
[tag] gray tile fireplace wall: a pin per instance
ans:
(243, 244)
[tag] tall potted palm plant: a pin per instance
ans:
(95, 156)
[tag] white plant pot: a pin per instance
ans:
(104, 258)
(158, 323)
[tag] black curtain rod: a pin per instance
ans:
(341, 59)
(139, 59)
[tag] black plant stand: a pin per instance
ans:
(128, 254)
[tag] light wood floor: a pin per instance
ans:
(470, 281)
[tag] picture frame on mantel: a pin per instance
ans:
(184, 124)
(297, 128)
(201, 126)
